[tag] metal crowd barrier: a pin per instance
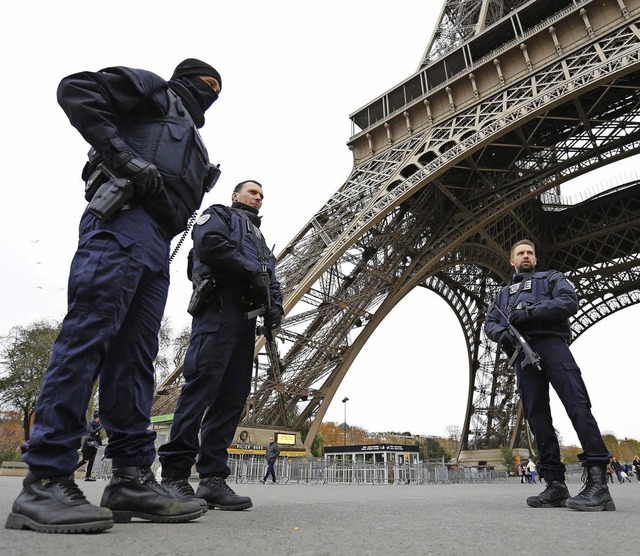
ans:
(251, 468)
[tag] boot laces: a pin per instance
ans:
(70, 489)
(182, 487)
(147, 478)
(589, 483)
(221, 483)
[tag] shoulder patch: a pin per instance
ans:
(202, 219)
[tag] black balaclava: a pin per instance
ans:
(196, 95)
(191, 66)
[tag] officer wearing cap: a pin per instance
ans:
(143, 132)
(539, 305)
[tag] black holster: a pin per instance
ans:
(203, 293)
(106, 193)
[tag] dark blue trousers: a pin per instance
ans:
(559, 369)
(217, 373)
(270, 471)
(118, 287)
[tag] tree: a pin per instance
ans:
(454, 438)
(10, 436)
(162, 362)
(25, 353)
(171, 350)
(318, 442)
(611, 442)
(332, 433)
(180, 345)
(569, 454)
(508, 459)
(628, 449)
(431, 449)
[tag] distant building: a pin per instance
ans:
(394, 454)
(371, 463)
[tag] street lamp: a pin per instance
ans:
(344, 401)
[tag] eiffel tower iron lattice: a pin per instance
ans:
(511, 99)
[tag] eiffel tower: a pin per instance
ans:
(511, 99)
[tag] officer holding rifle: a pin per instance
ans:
(233, 274)
(537, 307)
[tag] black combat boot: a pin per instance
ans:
(56, 505)
(594, 496)
(219, 494)
(134, 492)
(182, 490)
(553, 496)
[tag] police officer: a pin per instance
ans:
(539, 304)
(143, 131)
(90, 445)
(229, 249)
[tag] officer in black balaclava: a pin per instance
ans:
(191, 81)
(143, 131)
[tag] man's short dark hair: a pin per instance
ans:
(525, 241)
(239, 187)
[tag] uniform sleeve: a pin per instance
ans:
(213, 247)
(95, 103)
(495, 324)
(562, 304)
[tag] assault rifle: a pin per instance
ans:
(262, 330)
(522, 346)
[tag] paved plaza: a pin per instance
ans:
(297, 519)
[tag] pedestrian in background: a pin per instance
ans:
(271, 455)
(636, 467)
(531, 468)
(609, 473)
(90, 445)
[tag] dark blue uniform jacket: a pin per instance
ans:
(552, 300)
(222, 241)
(124, 109)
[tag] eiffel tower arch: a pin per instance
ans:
(511, 99)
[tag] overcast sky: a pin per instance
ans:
(292, 73)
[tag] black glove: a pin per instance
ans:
(519, 316)
(273, 317)
(507, 342)
(146, 178)
(259, 289)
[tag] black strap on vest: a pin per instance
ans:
(511, 304)
(256, 237)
